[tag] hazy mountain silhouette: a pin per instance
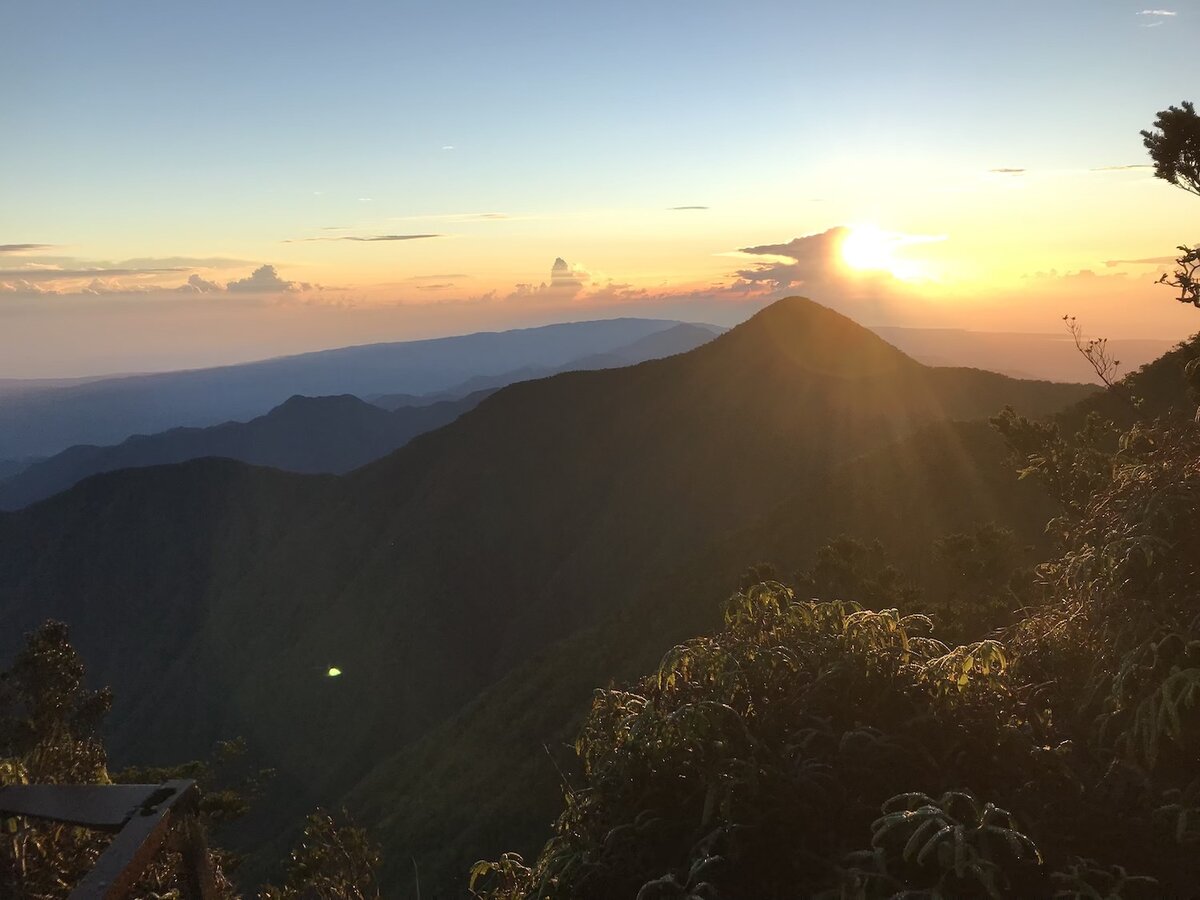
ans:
(304, 434)
(542, 515)
(669, 342)
(46, 418)
(13, 386)
(11, 467)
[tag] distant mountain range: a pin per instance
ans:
(313, 434)
(43, 418)
(304, 434)
(476, 585)
(11, 467)
(668, 342)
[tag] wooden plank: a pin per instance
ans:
(102, 806)
(135, 846)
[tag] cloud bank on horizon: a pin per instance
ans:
(59, 304)
(56, 281)
(816, 263)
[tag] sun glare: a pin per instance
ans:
(868, 248)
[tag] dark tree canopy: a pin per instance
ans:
(1175, 148)
(1174, 145)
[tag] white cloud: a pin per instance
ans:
(197, 285)
(566, 283)
(264, 280)
(39, 272)
(1156, 17)
(40, 279)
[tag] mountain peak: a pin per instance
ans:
(301, 402)
(803, 333)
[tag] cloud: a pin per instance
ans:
(175, 263)
(49, 273)
(566, 283)
(562, 276)
(60, 275)
(264, 280)
(1007, 171)
(1077, 277)
(1147, 261)
(23, 248)
(42, 282)
(448, 147)
(802, 260)
(675, 208)
(1122, 168)
(1157, 17)
(149, 264)
(815, 266)
(812, 265)
(96, 287)
(391, 237)
(367, 239)
(197, 285)
(48, 268)
(460, 217)
(23, 287)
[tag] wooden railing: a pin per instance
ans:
(143, 819)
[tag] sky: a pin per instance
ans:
(194, 184)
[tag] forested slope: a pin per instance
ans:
(427, 576)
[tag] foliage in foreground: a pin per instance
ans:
(332, 862)
(821, 749)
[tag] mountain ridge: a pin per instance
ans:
(107, 410)
(668, 342)
(303, 434)
(430, 574)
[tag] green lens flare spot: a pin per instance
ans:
(334, 672)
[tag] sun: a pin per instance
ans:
(868, 248)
